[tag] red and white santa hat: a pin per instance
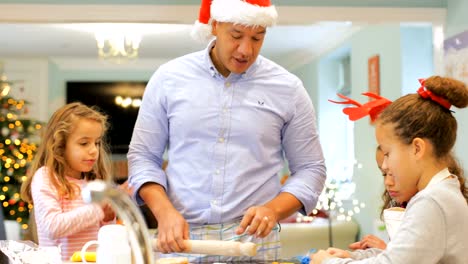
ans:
(243, 12)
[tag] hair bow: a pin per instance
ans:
(426, 94)
(372, 108)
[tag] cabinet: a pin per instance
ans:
(298, 238)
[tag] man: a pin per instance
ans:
(226, 116)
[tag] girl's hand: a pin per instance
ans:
(320, 256)
(338, 253)
(126, 188)
(109, 214)
(369, 241)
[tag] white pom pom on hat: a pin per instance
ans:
(244, 12)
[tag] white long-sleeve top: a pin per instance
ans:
(68, 223)
(433, 230)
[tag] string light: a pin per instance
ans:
(17, 148)
(331, 201)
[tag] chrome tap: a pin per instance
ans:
(138, 234)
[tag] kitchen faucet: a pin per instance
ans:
(138, 234)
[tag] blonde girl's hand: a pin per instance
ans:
(338, 253)
(369, 241)
(109, 214)
(319, 257)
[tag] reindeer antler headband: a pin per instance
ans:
(375, 107)
(372, 108)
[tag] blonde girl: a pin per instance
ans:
(72, 152)
(417, 133)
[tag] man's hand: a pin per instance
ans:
(258, 221)
(173, 229)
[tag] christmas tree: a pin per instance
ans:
(18, 144)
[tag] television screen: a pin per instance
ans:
(119, 100)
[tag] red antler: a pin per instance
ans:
(372, 108)
(348, 100)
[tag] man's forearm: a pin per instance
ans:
(284, 205)
(155, 198)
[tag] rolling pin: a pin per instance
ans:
(216, 247)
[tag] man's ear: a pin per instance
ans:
(419, 147)
(214, 25)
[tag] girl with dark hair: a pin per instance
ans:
(417, 133)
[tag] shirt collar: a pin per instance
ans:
(440, 176)
(214, 72)
(208, 62)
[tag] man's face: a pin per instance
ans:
(237, 46)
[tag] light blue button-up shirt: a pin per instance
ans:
(225, 138)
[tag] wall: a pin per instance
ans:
(411, 66)
(383, 40)
(457, 22)
(335, 128)
(309, 77)
(319, 78)
(405, 54)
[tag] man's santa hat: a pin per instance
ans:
(243, 12)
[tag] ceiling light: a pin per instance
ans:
(127, 101)
(118, 47)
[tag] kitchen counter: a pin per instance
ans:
(286, 261)
(298, 238)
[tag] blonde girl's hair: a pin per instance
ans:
(51, 152)
(414, 116)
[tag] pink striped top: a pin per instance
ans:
(68, 223)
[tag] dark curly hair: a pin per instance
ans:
(414, 116)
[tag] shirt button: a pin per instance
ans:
(213, 202)
(221, 140)
(228, 84)
(225, 109)
(217, 171)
